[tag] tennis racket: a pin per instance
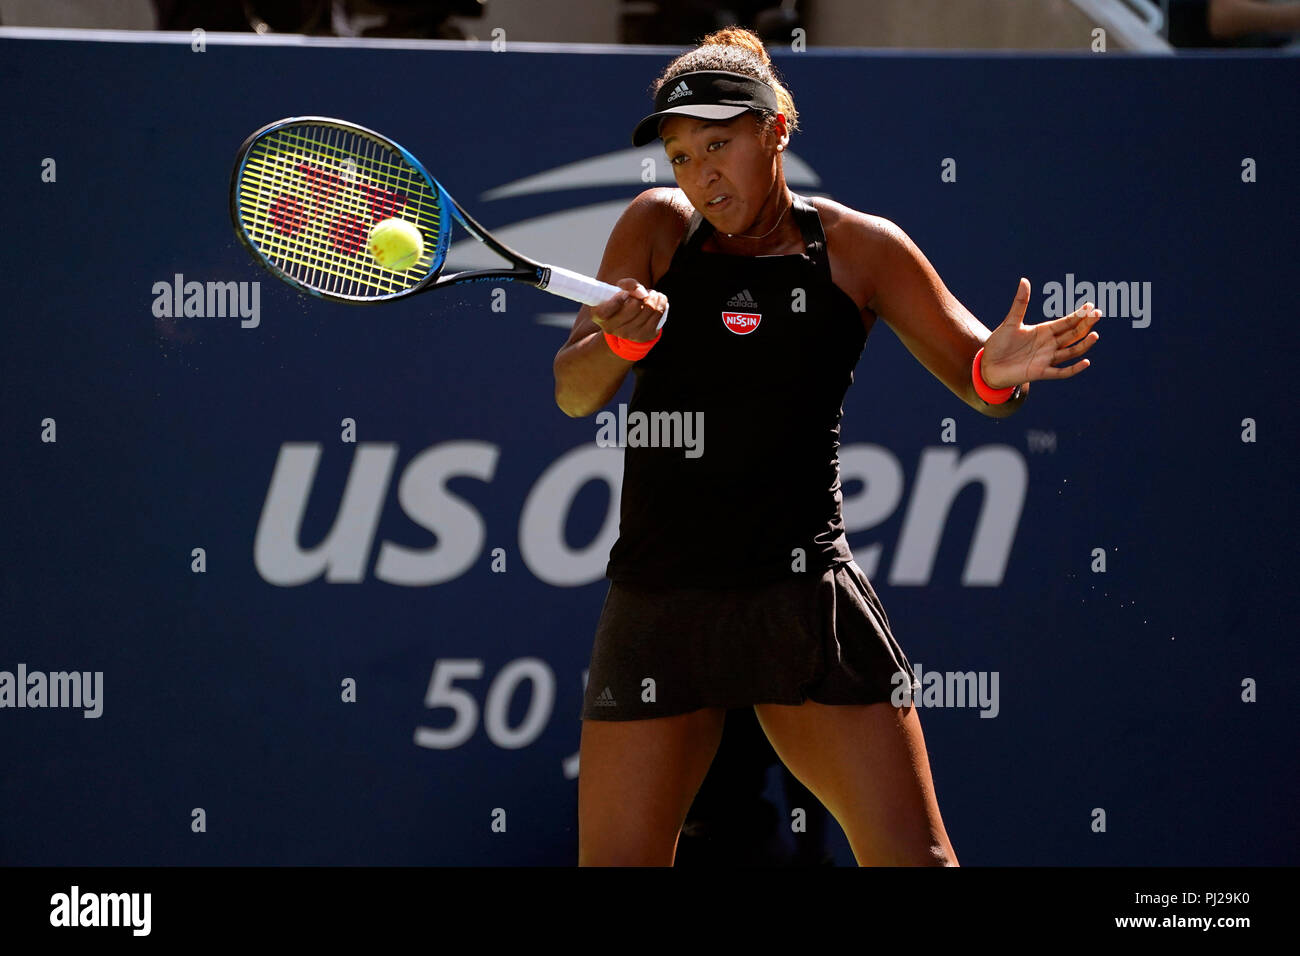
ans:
(306, 190)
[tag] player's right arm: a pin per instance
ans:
(587, 373)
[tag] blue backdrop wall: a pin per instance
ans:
(1172, 459)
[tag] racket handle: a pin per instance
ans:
(584, 289)
(578, 287)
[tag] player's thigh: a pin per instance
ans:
(868, 765)
(636, 782)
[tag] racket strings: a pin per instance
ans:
(308, 195)
(339, 206)
(319, 223)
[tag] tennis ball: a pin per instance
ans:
(396, 244)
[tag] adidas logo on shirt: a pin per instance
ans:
(680, 90)
(606, 699)
(745, 318)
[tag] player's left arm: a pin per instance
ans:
(944, 336)
(928, 319)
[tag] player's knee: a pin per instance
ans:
(645, 841)
(940, 855)
(630, 853)
(933, 854)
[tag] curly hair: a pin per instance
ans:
(735, 50)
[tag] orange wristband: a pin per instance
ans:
(626, 348)
(994, 396)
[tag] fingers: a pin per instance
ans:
(1073, 336)
(1065, 355)
(614, 304)
(1068, 372)
(1085, 313)
(632, 313)
(1020, 303)
(1074, 351)
(609, 308)
(1071, 328)
(1081, 329)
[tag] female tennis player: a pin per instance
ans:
(731, 583)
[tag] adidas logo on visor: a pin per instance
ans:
(681, 90)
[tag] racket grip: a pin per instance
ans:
(584, 289)
(578, 287)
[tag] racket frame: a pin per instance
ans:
(525, 269)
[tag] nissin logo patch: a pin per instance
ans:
(742, 323)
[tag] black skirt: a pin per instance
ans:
(823, 637)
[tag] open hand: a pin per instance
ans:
(1017, 353)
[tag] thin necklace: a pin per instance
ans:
(732, 235)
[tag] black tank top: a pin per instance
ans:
(760, 350)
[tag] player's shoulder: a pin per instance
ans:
(861, 246)
(663, 208)
(660, 218)
(845, 225)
